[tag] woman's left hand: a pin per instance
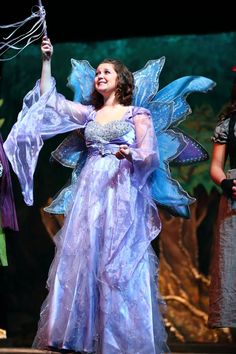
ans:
(124, 153)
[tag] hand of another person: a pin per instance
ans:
(123, 153)
(46, 48)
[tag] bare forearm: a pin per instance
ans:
(45, 76)
(47, 51)
(219, 154)
(217, 174)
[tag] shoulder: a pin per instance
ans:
(86, 107)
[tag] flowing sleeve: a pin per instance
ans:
(145, 154)
(134, 233)
(41, 117)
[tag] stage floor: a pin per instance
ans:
(6, 347)
(206, 348)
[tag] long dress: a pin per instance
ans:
(103, 293)
(222, 292)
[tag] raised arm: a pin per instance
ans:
(46, 74)
(45, 113)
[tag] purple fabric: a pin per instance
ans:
(41, 117)
(7, 203)
(103, 295)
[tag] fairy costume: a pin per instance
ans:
(103, 295)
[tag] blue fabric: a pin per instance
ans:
(168, 108)
(103, 296)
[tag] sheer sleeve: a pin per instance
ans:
(133, 245)
(145, 154)
(41, 117)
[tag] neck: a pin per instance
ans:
(110, 101)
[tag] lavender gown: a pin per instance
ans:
(103, 295)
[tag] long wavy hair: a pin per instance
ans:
(125, 85)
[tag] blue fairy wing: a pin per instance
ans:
(177, 92)
(166, 191)
(69, 151)
(72, 153)
(81, 79)
(168, 108)
(62, 200)
(147, 81)
(193, 152)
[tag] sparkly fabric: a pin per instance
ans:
(95, 132)
(103, 295)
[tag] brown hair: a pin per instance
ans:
(125, 85)
(231, 107)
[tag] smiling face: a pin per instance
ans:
(112, 80)
(105, 81)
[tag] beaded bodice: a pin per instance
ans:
(97, 132)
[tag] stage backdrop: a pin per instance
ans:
(184, 245)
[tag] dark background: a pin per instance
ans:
(72, 20)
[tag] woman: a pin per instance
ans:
(222, 296)
(102, 284)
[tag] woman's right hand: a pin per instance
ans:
(46, 48)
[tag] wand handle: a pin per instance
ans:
(42, 13)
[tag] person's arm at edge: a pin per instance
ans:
(218, 159)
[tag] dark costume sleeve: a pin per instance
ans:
(221, 132)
